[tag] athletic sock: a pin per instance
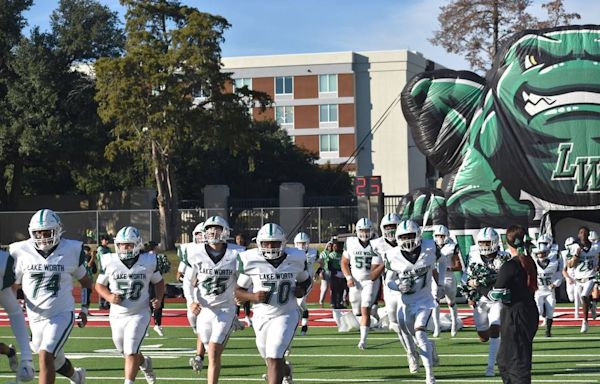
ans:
(494, 344)
(364, 332)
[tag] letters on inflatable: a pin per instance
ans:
(522, 142)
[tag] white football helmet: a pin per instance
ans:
(571, 245)
(42, 222)
(544, 242)
(198, 233)
(407, 227)
(128, 235)
(364, 229)
(487, 235)
(441, 235)
(270, 232)
(593, 237)
(212, 233)
(302, 241)
(389, 220)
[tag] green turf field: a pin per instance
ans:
(326, 356)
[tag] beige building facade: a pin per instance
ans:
(344, 107)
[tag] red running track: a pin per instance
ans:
(317, 318)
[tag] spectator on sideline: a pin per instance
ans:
(515, 287)
(323, 272)
(102, 249)
(338, 281)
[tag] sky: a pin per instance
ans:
(272, 27)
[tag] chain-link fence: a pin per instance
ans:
(320, 222)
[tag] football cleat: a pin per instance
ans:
(413, 363)
(79, 376)
(148, 371)
(13, 362)
(159, 331)
(430, 380)
(489, 372)
(197, 363)
(584, 326)
(25, 371)
(362, 345)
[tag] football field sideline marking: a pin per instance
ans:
(340, 380)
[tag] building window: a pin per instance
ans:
(328, 84)
(328, 113)
(284, 85)
(284, 115)
(242, 82)
(329, 143)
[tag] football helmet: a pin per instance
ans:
(544, 243)
(571, 245)
(198, 233)
(45, 229)
(408, 227)
(441, 235)
(270, 232)
(128, 235)
(485, 236)
(364, 229)
(301, 241)
(593, 237)
(212, 234)
(388, 220)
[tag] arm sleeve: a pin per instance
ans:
(558, 277)
(102, 279)
(156, 277)
(244, 281)
(79, 272)
(18, 272)
(181, 268)
(390, 280)
(442, 266)
(187, 285)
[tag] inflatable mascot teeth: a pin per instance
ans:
(522, 142)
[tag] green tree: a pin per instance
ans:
(50, 132)
(166, 89)
(476, 29)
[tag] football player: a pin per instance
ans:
(302, 242)
(277, 274)
(485, 260)
(214, 271)
(124, 282)
(595, 241)
(45, 267)
(8, 300)
(450, 253)
(585, 264)
(569, 273)
(411, 264)
(358, 260)
(198, 237)
(549, 270)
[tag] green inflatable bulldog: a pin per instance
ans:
(524, 140)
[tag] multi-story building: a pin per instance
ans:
(344, 107)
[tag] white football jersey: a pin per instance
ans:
(361, 258)
(588, 263)
(381, 245)
(132, 282)
(47, 282)
(566, 257)
(7, 270)
(215, 282)
(549, 271)
(280, 282)
(418, 276)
